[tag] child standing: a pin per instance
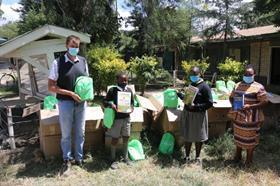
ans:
(121, 126)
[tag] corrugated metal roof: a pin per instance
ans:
(251, 32)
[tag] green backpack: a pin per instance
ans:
(230, 85)
(170, 98)
(84, 88)
(221, 86)
(135, 150)
(167, 143)
(49, 102)
(109, 117)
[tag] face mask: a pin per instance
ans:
(248, 79)
(73, 51)
(194, 79)
(122, 85)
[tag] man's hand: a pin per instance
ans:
(76, 97)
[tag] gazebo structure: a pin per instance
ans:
(33, 54)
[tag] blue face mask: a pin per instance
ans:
(194, 79)
(248, 79)
(73, 51)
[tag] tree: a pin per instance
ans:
(250, 18)
(9, 30)
(95, 17)
(159, 24)
(224, 15)
(270, 9)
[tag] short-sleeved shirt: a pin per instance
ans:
(53, 74)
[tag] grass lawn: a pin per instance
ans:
(21, 168)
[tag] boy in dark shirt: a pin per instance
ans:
(121, 126)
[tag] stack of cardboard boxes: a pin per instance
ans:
(150, 114)
(50, 133)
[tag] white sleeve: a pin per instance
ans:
(53, 75)
(87, 68)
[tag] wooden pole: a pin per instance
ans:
(11, 129)
(174, 78)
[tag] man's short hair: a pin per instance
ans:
(120, 74)
(72, 37)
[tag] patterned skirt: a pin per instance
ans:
(246, 130)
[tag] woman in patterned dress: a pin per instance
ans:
(248, 120)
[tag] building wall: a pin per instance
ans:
(260, 58)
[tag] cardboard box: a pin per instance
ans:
(222, 104)
(168, 121)
(94, 140)
(49, 122)
(218, 114)
(146, 103)
(217, 129)
(137, 119)
(50, 133)
(108, 139)
(50, 145)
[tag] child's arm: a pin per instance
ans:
(109, 99)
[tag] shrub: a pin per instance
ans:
(201, 63)
(222, 147)
(104, 63)
(145, 70)
(231, 69)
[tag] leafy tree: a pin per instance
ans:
(269, 8)
(9, 30)
(159, 24)
(144, 68)
(104, 63)
(95, 17)
(250, 18)
(224, 15)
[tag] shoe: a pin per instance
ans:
(187, 160)
(79, 163)
(127, 162)
(66, 167)
(115, 165)
(198, 161)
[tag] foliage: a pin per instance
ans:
(250, 18)
(231, 69)
(159, 24)
(104, 63)
(201, 63)
(222, 147)
(270, 9)
(34, 19)
(9, 30)
(95, 17)
(146, 70)
(163, 75)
